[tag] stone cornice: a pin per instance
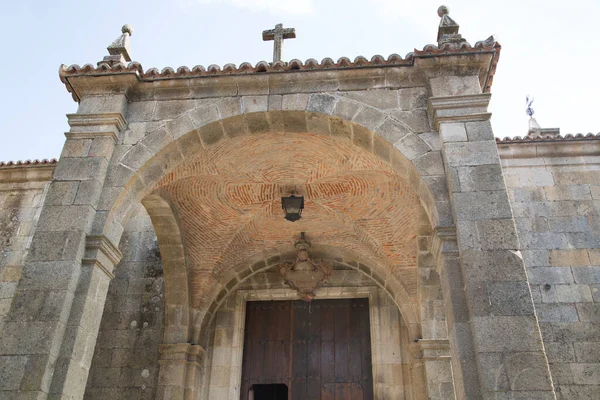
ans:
(462, 108)
(27, 172)
(276, 78)
(114, 119)
(102, 253)
(571, 147)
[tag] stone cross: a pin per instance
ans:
(279, 34)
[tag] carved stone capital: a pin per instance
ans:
(100, 252)
(462, 108)
(90, 126)
(443, 242)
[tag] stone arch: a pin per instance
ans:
(156, 155)
(337, 256)
(160, 151)
(172, 251)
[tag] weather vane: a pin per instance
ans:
(529, 102)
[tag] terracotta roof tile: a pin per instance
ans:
(52, 161)
(569, 136)
(487, 46)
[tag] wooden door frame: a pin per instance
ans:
(383, 326)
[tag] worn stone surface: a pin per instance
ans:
(557, 223)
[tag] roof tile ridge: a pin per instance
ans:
(44, 161)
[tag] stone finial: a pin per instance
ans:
(119, 49)
(448, 29)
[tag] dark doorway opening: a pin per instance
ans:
(275, 391)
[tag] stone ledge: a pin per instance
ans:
(462, 108)
(100, 252)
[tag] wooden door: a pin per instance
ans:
(320, 350)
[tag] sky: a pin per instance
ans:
(549, 50)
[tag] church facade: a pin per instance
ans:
(430, 260)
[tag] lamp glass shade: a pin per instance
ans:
(292, 206)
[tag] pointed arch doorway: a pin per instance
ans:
(294, 350)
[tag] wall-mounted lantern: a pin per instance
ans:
(292, 206)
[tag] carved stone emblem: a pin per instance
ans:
(305, 275)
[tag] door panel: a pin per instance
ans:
(320, 350)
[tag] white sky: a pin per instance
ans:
(550, 50)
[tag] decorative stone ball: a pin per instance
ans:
(443, 10)
(303, 255)
(127, 29)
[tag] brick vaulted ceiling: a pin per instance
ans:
(228, 199)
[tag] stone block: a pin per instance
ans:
(416, 120)
(573, 332)
(140, 111)
(454, 85)
(370, 118)
(275, 102)
(527, 371)
(568, 192)
(480, 178)
(482, 205)
(568, 258)
(252, 104)
(549, 275)
(76, 148)
(453, 132)
(112, 103)
(430, 164)
(479, 130)
(183, 124)
(557, 313)
(544, 240)
(493, 234)
(570, 224)
(587, 352)
(295, 102)
(567, 294)
(411, 146)
(494, 266)
(381, 99)
(392, 130)
(589, 312)
(12, 369)
(559, 352)
(62, 193)
(229, 107)
(80, 169)
(460, 154)
(586, 274)
(506, 334)
(586, 374)
(432, 139)
(413, 98)
(170, 109)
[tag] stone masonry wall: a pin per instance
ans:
(20, 205)
(125, 363)
(555, 196)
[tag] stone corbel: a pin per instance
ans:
(101, 253)
(461, 108)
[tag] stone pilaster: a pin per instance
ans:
(180, 371)
(51, 328)
(509, 355)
